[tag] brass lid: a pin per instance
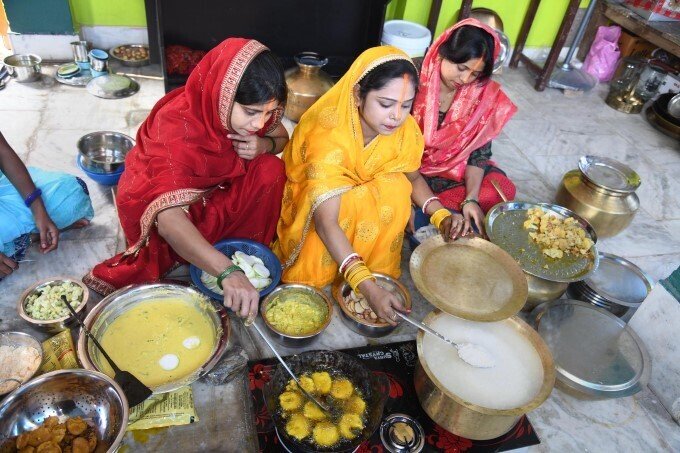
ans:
(609, 174)
(469, 278)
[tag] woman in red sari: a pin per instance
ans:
(202, 170)
(460, 110)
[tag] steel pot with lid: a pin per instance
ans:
(481, 287)
(306, 83)
(602, 191)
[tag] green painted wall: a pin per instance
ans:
(543, 31)
(127, 13)
(54, 17)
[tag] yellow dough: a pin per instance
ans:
(322, 382)
(139, 338)
(298, 426)
(341, 389)
(326, 434)
(350, 425)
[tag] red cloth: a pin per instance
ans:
(184, 158)
(477, 114)
(488, 196)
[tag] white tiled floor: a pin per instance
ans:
(43, 122)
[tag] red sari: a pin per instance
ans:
(478, 112)
(183, 158)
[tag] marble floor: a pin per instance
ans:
(43, 122)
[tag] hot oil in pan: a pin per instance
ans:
(510, 235)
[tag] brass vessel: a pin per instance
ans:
(470, 420)
(306, 83)
(542, 290)
(606, 203)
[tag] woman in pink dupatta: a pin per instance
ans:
(460, 110)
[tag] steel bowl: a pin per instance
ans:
(130, 63)
(15, 339)
(116, 304)
(53, 325)
(24, 67)
(341, 290)
(296, 341)
(67, 393)
(104, 151)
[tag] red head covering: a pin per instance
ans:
(477, 114)
(182, 148)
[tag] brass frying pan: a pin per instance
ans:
(470, 278)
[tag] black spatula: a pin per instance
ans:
(134, 390)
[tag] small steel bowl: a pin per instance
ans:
(15, 339)
(296, 341)
(93, 396)
(53, 325)
(24, 67)
(130, 63)
(104, 151)
(341, 289)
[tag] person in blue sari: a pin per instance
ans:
(36, 203)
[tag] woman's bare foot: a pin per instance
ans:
(82, 223)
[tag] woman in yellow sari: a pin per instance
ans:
(352, 172)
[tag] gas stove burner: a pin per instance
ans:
(402, 434)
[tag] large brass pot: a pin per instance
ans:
(470, 420)
(608, 211)
(306, 83)
(542, 290)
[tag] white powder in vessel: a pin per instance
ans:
(515, 378)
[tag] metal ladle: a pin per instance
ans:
(251, 323)
(472, 354)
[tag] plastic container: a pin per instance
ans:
(410, 37)
(105, 179)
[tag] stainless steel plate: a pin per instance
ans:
(594, 351)
(620, 281)
(112, 86)
(504, 225)
(609, 173)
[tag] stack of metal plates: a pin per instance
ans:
(617, 285)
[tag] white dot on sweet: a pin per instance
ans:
(169, 362)
(191, 342)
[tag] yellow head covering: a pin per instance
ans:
(326, 156)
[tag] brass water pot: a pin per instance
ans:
(542, 290)
(608, 211)
(469, 420)
(306, 83)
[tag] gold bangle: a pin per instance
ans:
(438, 216)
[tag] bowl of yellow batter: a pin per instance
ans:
(167, 335)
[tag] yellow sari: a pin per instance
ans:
(326, 158)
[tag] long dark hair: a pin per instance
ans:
(470, 42)
(262, 81)
(381, 75)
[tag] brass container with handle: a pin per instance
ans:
(306, 83)
(601, 191)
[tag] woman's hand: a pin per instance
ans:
(381, 301)
(7, 266)
(472, 212)
(49, 233)
(241, 296)
(250, 146)
(452, 227)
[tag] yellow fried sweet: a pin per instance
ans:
(355, 405)
(313, 412)
(341, 389)
(326, 434)
(49, 447)
(350, 425)
(76, 426)
(322, 382)
(290, 401)
(307, 384)
(298, 426)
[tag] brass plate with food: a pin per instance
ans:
(354, 394)
(357, 314)
(548, 241)
(41, 304)
(166, 335)
(470, 278)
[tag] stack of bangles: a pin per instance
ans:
(355, 271)
(438, 217)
